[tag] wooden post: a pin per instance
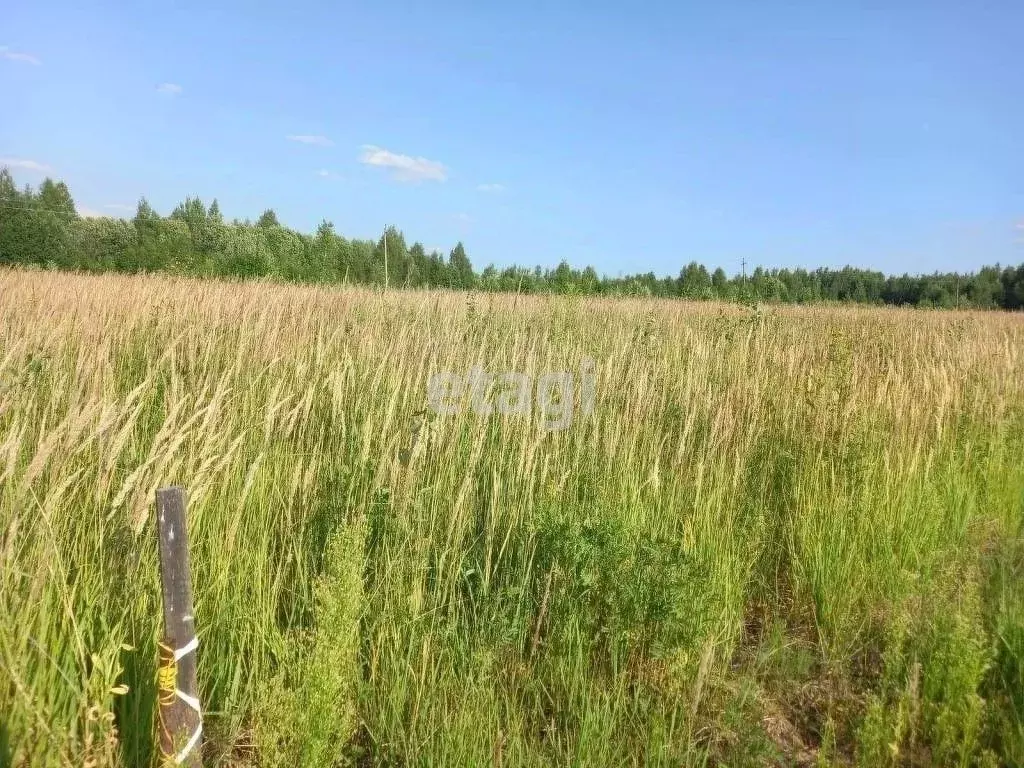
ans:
(180, 716)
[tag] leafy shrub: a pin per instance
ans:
(309, 712)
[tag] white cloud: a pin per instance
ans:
(24, 58)
(171, 89)
(120, 211)
(24, 165)
(314, 140)
(323, 173)
(490, 187)
(463, 218)
(403, 167)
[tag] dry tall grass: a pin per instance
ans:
(783, 534)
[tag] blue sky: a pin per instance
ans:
(630, 136)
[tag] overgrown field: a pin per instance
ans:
(785, 536)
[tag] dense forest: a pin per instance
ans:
(42, 227)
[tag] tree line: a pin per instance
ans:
(42, 227)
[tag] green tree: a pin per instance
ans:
(42, 227)
(268, 219)
(720, 283)
(247, 253)
(56, 197)
(418, 266)
(460, 270)
(106, 244)
(694, 282)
